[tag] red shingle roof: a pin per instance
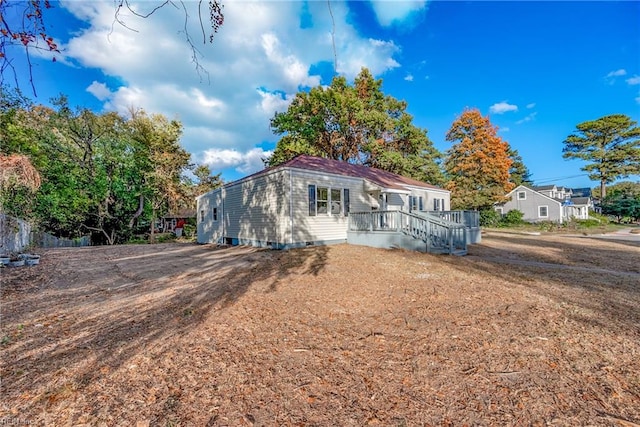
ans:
(377, 176)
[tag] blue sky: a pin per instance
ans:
(536, 68)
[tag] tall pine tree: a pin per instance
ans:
(611, 144)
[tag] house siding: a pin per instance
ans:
(529, 206)
(256, 211)
(210, 231)
(323, 227)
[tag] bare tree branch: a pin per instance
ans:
(30, 30)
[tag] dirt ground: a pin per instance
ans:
(525, 330)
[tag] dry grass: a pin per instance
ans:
(523, 331)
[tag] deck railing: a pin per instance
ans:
(469, 219)
(439, 234)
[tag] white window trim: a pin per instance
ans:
(524, 193)
(344, 210)
(500, 211)
(543, 216)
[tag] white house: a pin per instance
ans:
(546, 203)
(306, 201)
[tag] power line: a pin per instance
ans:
(540, 181)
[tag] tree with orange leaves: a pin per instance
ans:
(478, 163)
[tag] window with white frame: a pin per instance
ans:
(500, 211)
(438, 204)
(522, 195)
(328, 201)
(543, 211)
(322, 200)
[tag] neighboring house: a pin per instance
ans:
(307, 201)
(546, 203)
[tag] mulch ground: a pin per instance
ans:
(525, 330)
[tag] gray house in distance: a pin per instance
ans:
(546, 203)
(316, 201)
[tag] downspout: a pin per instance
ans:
(291, 206)
(223, 195)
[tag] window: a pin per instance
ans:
(416, 203)
(522, 195)
(500, 211)
(215, 214)
(322, 200)
(336, 201)
(312, 200)
(329, 201)
(543, 211)
(202, 215)
(438, 204)
(346, 202)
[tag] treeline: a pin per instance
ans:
(73, 172)
(100, 174)
(622, 201)
(360, 124)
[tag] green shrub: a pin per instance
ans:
(189, 230)
(164, 237)
(489, 218)
(513, 217)
(604, 219)
(138, 240)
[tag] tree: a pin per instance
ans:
(23, 24)
(611, 144)
(206, 182)
(161, 161)
(357, 124)
(621, 206)
(623, 188)
(17, 175)
(478, 163)
(518, 172)
(100, 173)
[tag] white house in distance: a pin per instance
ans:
(546, 203)
(306, 201)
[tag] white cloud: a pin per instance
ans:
(259, 59)
(409, 77)
(364, 55)
(504, 130)
(99, 90)
(617, 73)
(531, 105)
(611, 77)
(397, 12)
(528, 118)
(245, 163)
(632, 81)
(502, 107)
